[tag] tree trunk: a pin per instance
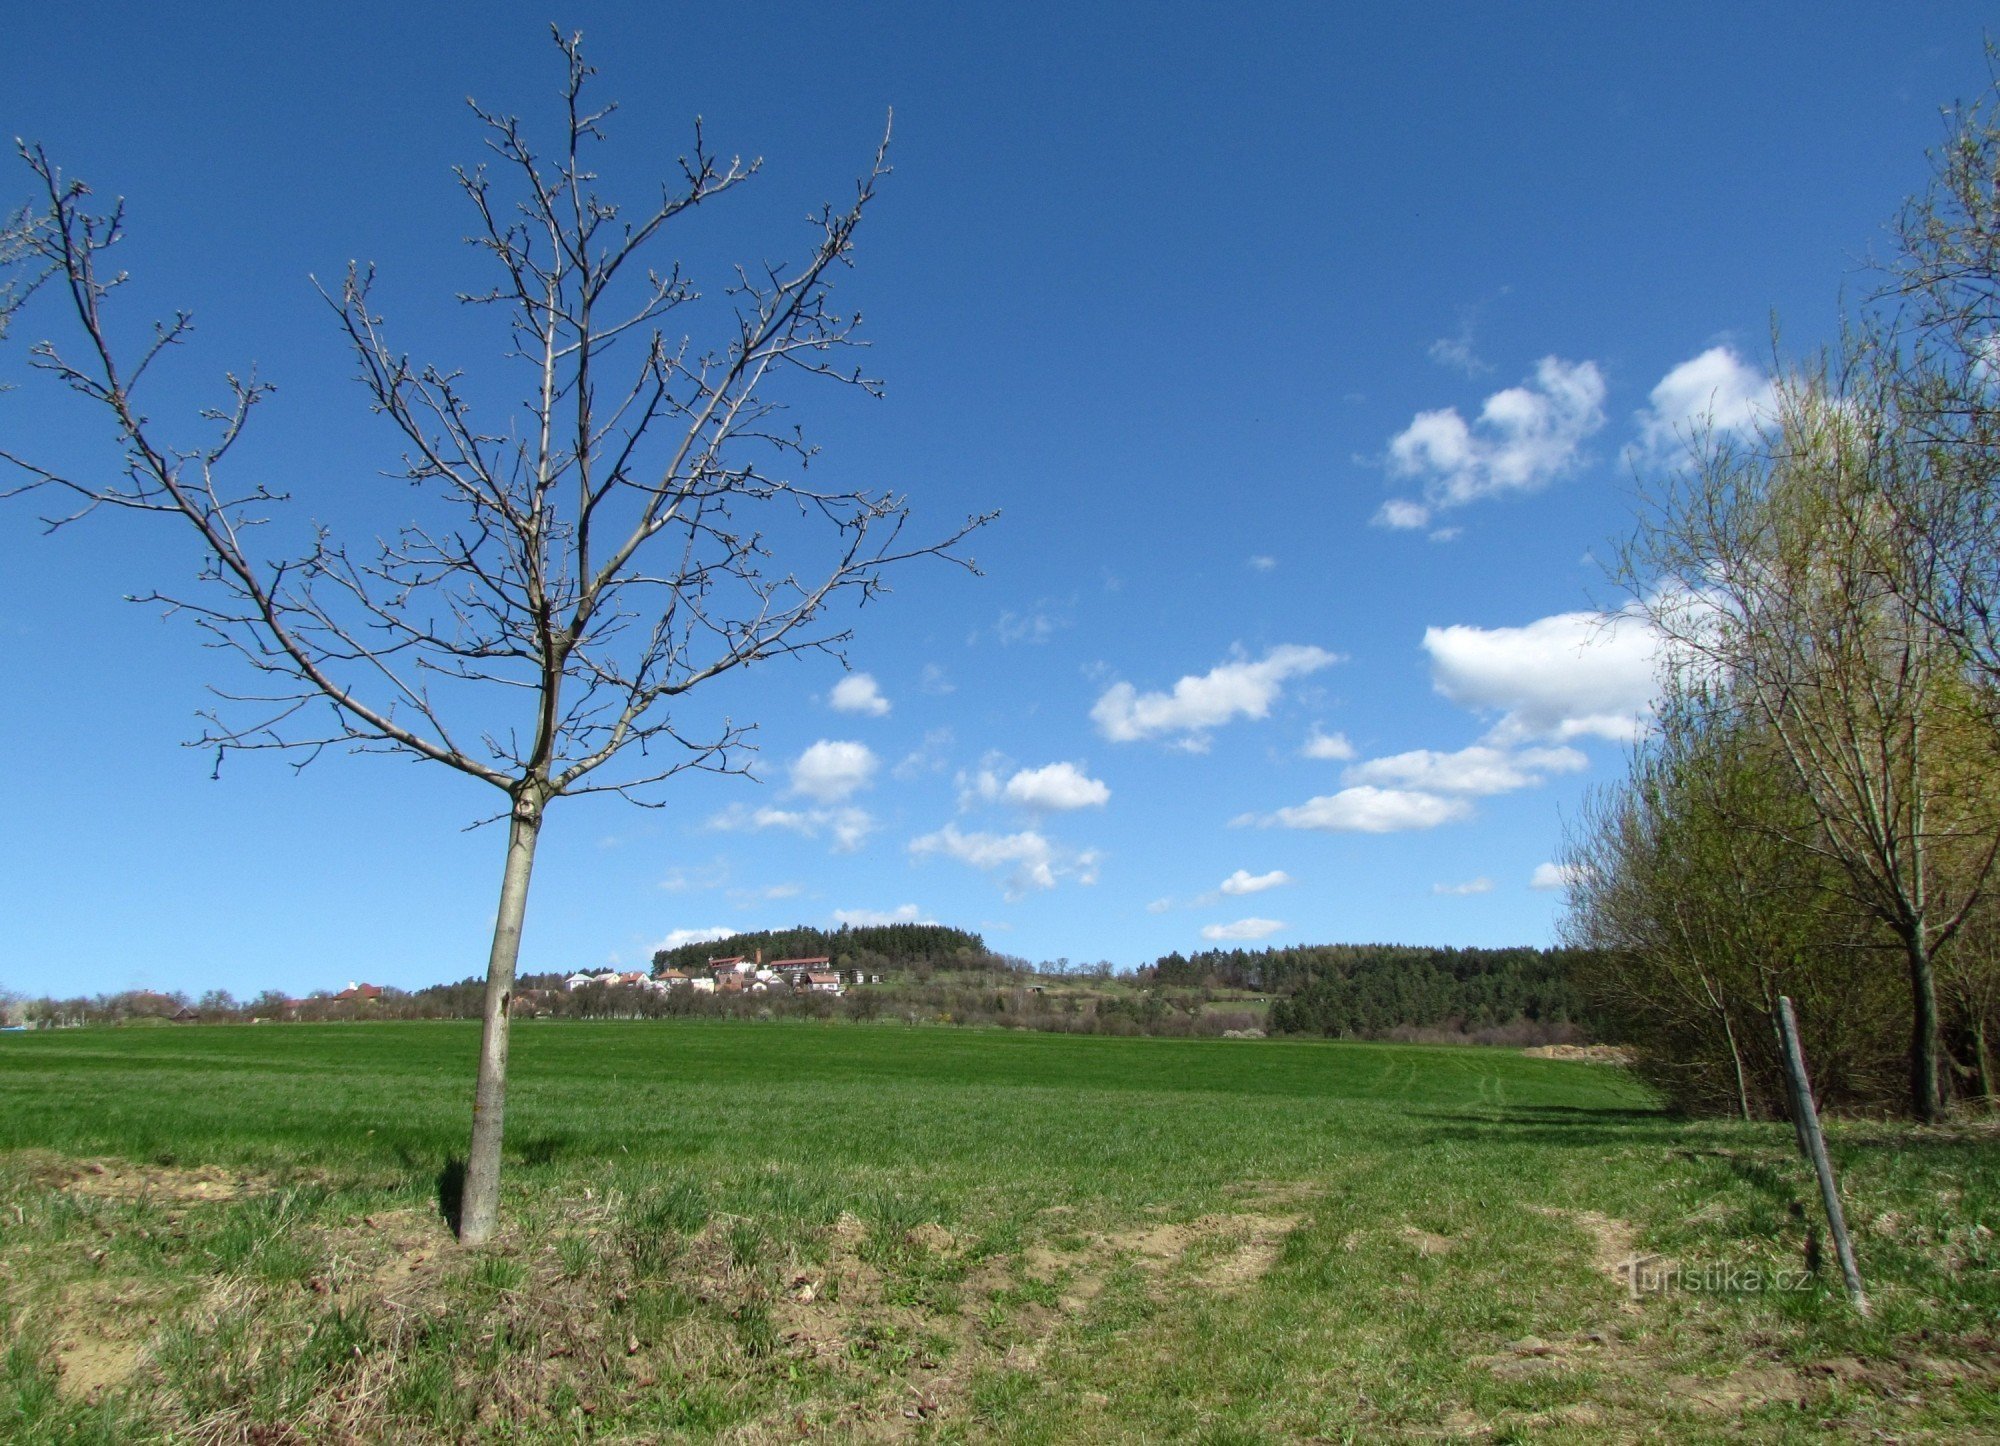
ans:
(479, 1202)
(1983, 1059)
(1736, 1058)
(1924, 1097)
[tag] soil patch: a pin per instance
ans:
(1614, 1244)
(1582, 1053)
(124, 1180)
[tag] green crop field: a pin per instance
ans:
(754, 1232)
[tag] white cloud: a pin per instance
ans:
(706, 876)
(1328, 745)
(1261, 563)
(864, 918)
(1456, 352)
(678, 937)
(830, 770)
(849, 827)
(1372, 810)
(983, 785)
(1242, 689)
(1479, 770)
(857, 693)
(1553, 876)
(930, 758)
(1480, 885)
(1573, 675)
(1717, 392)
(1159, 906)
(935, 680)
(1031, 860)
(1056, 786)
(1037, 625)
(1245, 882)
(1402, 514)
(1524, 438)
(1241, 931)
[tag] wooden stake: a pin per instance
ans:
(1805, 1116)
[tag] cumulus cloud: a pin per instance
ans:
(1717, 392)
(1480, 885)
(1240, 689)
(1479, 770)
(857, 693)
(1030, 860)
(1159, 906)
(1402, 514)
(936, 681)
(678, 937)
(1328, 745)
(830, 770)
(848, 827)
(1055, 787)
(1242, 930)
(1523, 438)
(1261, 563)
(1245, 882)
(867, 918)
(1573, 675)
(1367, 809)
(1554, 876)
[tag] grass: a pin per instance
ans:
(726, 1231)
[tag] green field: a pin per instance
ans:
(754, 1232)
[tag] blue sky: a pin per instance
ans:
(1310, 353)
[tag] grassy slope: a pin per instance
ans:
(1136, 1239)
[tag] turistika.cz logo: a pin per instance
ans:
(1649, 1275)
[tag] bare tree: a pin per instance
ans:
(570, 571)
(19, 273)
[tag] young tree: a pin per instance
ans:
(557, 586)
(1693, 909)
(1932, 333)
(1784, 552)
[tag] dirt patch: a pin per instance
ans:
(1238, 1248)
(1614, 1244)
(853, 1315)
(124, 1180)
(1739, 1390)
(1250, 1261)
(90, 1367)
(1425, 1243)
(97, 1332)
(1730, 1395)
(394, 1256)
(1582, 1053)
(933, 1238)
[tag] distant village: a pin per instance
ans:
(736, 974)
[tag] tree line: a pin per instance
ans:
(1817, 812)
(897, 946)
(1525, 995)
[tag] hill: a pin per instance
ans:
(894, 946)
